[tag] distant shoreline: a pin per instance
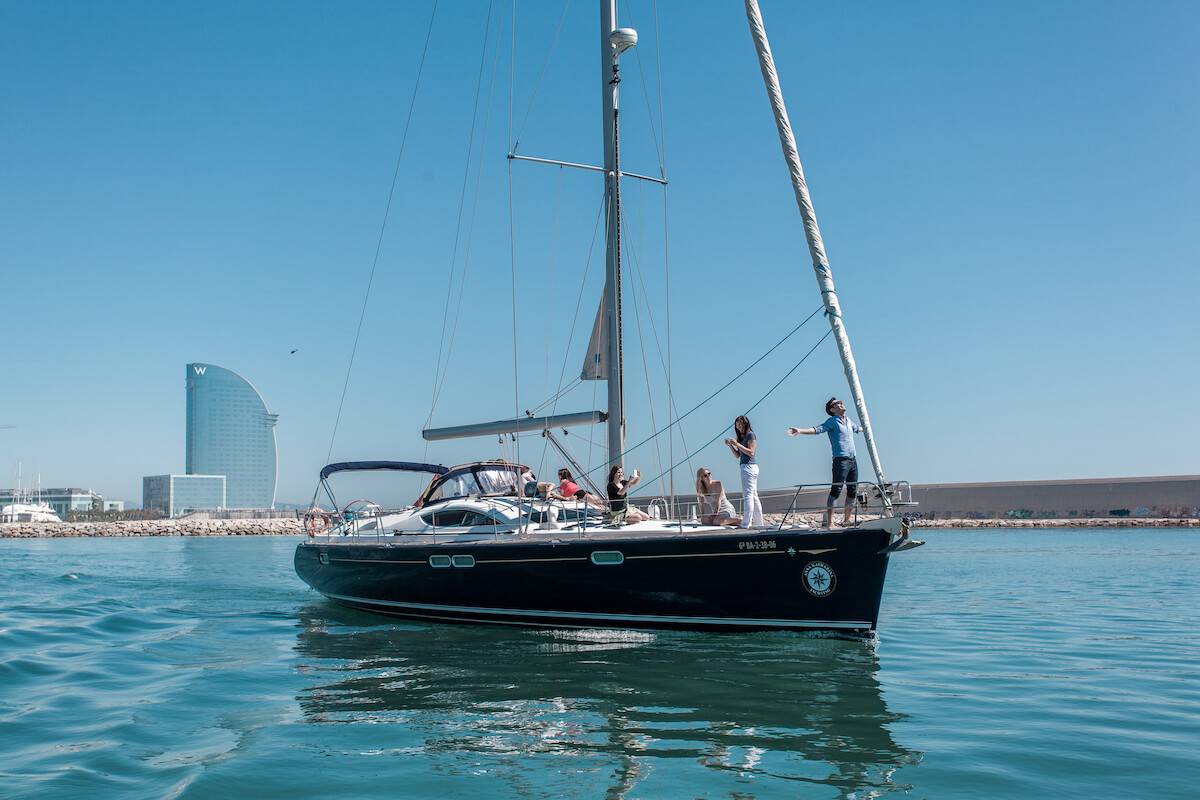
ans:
(293, 527)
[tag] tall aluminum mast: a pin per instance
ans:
(613, 42)
(812, 233)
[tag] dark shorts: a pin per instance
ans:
(845, 471)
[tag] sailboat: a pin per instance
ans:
(474, 547)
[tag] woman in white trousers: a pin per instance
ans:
(744, 448)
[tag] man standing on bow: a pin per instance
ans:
(845, 466)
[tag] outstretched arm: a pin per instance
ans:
(804, 431)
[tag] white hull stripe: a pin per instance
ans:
(582, 615)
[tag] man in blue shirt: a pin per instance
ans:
(845, 466)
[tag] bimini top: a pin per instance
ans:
(398, 466)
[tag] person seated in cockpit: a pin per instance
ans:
(533, 489)
(569, 489)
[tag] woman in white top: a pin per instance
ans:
(715, 508)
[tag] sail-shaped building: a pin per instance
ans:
(230, 432)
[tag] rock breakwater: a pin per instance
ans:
(158, 527)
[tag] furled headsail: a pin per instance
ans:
(595, 361)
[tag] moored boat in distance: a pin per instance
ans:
(29, 511)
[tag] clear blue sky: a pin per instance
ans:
(1007, 192)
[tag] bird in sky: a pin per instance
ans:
(297, 350)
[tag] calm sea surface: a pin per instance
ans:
(1010, 664)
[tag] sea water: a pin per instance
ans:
(1009, 664)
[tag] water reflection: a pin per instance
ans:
(776, 705)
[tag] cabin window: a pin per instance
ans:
(450, 518)
(608, 557)
(458, 518)
(463, 561)
(439, 561)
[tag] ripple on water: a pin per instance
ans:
(1024, 664)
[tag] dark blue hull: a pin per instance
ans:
(721, 581)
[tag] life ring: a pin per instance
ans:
(316, 522)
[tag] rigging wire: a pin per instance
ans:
(553, 399)
(758, 402)
(382, 230)
(512, 238)
(659, 150)
(487, 123)
(591, 444)
(728, 383)
(662, 124)
(541, 74)
(665, 363)
(439, 368)
(637, 315)
(574, 320)
(554, 247)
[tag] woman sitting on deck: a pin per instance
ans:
(570, 490)
(715, 508)
(622, 512)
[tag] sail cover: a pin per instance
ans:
(595, 362)
(520, 425)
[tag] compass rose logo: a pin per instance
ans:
(819, 579)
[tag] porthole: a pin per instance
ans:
(439, 561)
(323, 557)
(606, 558)
(463, 561)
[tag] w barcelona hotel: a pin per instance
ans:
(231, 457)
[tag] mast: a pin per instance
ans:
(613, 42)
(812, 233)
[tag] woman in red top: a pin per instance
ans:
(569, 489)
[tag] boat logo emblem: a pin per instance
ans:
(819, 579)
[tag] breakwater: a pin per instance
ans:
(156, 527)
(293, 527)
